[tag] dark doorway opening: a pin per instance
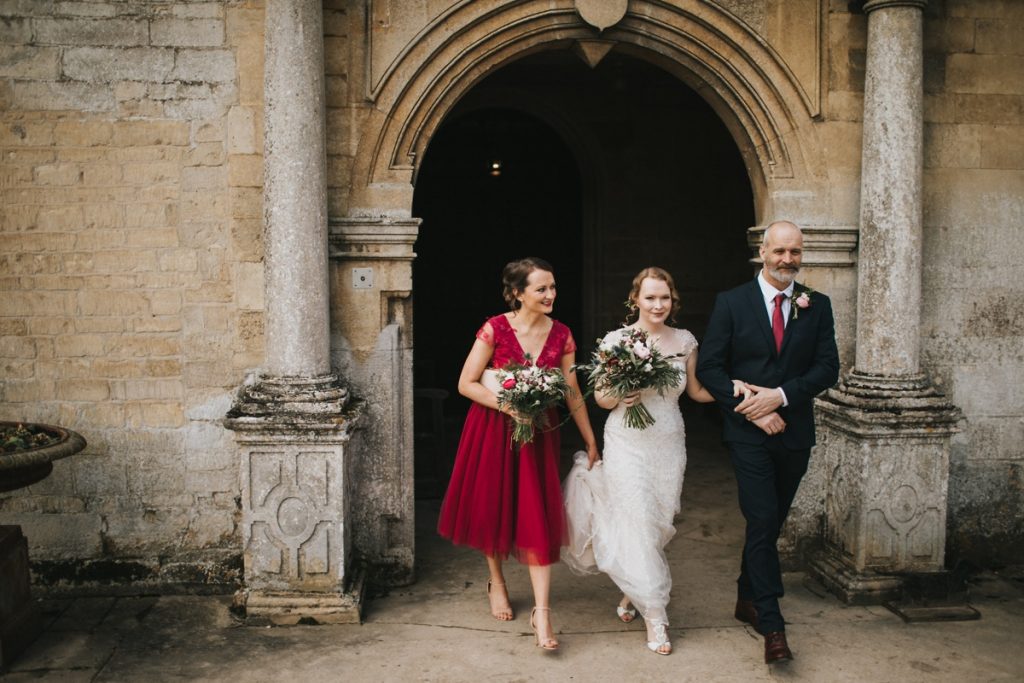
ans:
(602, 171)
(495, 185)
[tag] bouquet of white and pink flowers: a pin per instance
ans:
(530, 390)
(628, 365)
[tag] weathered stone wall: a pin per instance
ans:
(131, 274)
(973, 315)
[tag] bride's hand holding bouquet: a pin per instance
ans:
(627, 366)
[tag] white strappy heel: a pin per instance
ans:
(660, 640)
(626, 616)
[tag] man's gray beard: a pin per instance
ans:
(786, 276)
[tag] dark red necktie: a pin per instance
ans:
(778, 324)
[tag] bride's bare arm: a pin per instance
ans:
(694, 389)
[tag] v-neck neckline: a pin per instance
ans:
(543, 347)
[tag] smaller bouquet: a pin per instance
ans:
(530, 390)
(631, 364)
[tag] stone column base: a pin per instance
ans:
(20, 621)
(924, 596)
(287, 608)
(851, 586)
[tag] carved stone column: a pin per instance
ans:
(294, 423)
(885, 430)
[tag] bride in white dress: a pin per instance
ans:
(620, 513)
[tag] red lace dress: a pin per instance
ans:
(502, 500)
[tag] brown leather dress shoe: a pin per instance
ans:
(746, 612)
(775, 647)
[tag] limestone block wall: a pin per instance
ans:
(973, 317)
(131, 275)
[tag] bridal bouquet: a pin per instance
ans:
(530, 390)
(631, 364)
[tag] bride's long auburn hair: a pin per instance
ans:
(655, 273)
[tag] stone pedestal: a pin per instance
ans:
(885, 448)
(296, 488)
(20, 620)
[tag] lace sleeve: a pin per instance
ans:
(570, 344)
(486, 334)
(614, 336)
(689, 342)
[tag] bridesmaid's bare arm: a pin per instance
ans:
(578, 407)
(473, 369)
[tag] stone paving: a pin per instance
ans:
(439, 628)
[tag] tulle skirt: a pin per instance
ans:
(503, 500)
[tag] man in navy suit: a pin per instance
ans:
(779, 337)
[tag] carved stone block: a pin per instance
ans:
(885, 502)
(885, 446)
(294, 517)
(295, 483)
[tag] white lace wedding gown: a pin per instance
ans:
(620, 514)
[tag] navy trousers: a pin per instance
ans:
(767, 477)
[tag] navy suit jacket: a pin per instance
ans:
(739, 345)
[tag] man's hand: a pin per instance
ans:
(771, 424)
(761, 403)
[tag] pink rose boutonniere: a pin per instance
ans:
(802, 300)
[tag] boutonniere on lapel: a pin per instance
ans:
(801, 301)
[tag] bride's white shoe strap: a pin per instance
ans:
(660, 639)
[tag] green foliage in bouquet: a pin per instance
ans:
(530, 390)
(633, 363)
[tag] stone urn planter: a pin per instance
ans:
(27, 452)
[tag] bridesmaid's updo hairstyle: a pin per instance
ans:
(654, 273)
(515, 276)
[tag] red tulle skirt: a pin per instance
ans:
(501, 500)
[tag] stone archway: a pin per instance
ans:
(411, 90)
(752, 90)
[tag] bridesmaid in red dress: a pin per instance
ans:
(503, 500)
